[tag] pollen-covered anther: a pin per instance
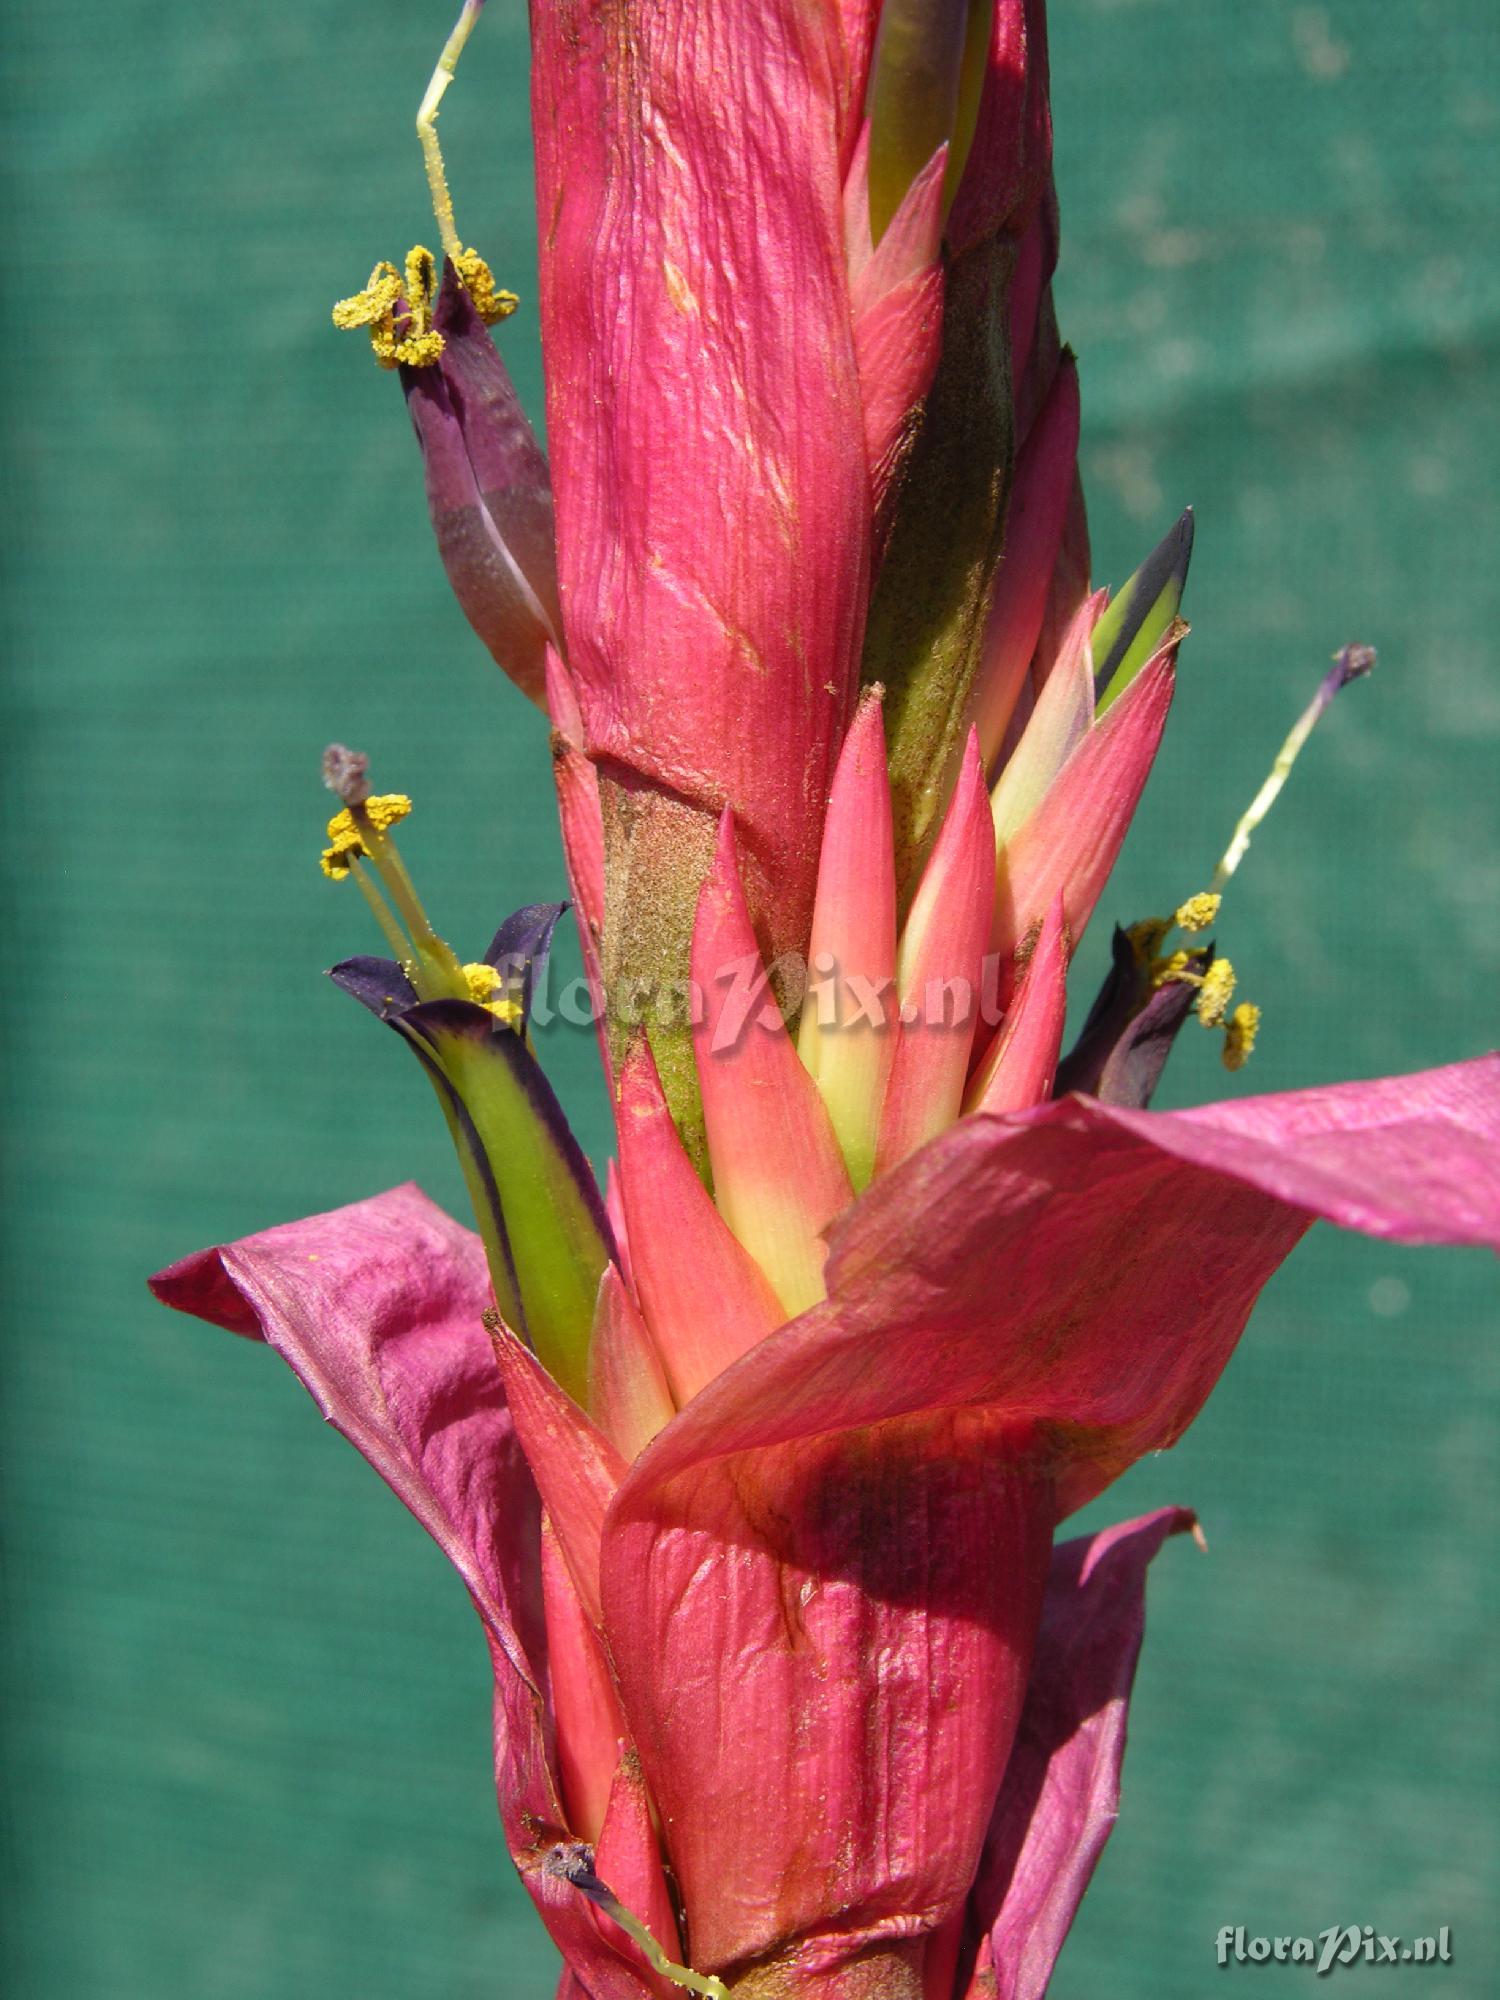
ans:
(1215, 993)
(488, 989)
(489, 301)
(396, 310)
(346, 842)
(344, 846)
(383, 811)
(374, 303)
(1198, 912)
(1183, 968)
(1239, 1034)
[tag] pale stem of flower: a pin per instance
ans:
(427, 114)
(1349, 663)
(572, 1861)
(382, 850)
(402, 948)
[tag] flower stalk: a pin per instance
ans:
(753, 1463)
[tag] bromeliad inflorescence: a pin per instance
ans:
(752, 1463)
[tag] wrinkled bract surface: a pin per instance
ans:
(821, 1586)
(752, 1463)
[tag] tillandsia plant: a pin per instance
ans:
(753, 1460)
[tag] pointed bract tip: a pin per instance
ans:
(971, 776)
(1134, 625)
(869, 719)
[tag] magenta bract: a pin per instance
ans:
(843, 1541)
(753, 1468)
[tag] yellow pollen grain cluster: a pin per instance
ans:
(1215, 993)
(382, 811)
(1178, 965)
(1239, 1035)
(482, 981)
(487, 989)
(345, 842)
(415, 342)
(489, 302)
(373, 303)
(1198, 912)
(344, 846)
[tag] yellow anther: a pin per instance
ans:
(421, 279)
(383, 811)
(373, 303)
(397, 310)
(345, 837)
(344, 834)
(344, 846)
(1215, 993)
(490, 303)
(1179, 966)
(1198, 912)
(1239, 1035)
(488, 990)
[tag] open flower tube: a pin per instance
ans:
(753, 1456)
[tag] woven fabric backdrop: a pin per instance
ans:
(247, 1706)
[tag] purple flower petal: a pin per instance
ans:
(520, 948)
(1058, 1804)
(376, 983)
(377, 1309)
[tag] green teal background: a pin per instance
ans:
(246, 1707)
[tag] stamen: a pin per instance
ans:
(361, 832)
(1197, 913)
(397, 311)
(402, 949)
(478, 281)
(427, 115)
(397, 308)
(1239, 1035)
(435, 958)
(347, 828)
(1215, 993)
(349, 831)
(371, 305)
(489, 990)
(1178, 966)
(1349, 664)
(572, 1861)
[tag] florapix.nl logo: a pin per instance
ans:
(1332, 1949)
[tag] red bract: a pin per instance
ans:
(704, 414)
(753, 1467)
(818, 1590)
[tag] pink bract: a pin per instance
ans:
(1015, 1315)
